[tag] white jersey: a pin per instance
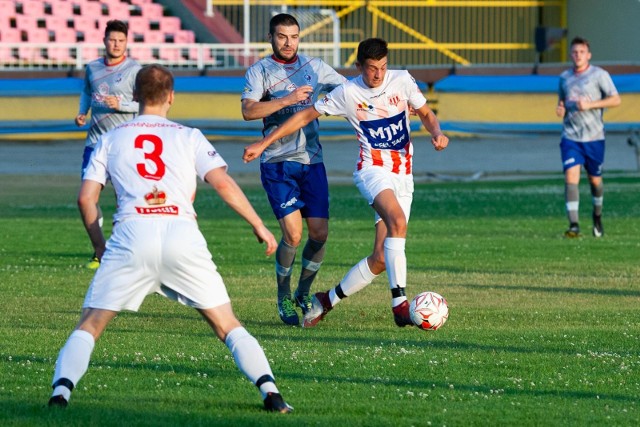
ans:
(270, 79)
(100, 80)
(153, 164)
(380, 117)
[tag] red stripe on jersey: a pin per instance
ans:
(408, 159)
(376, 157)
(397, 161)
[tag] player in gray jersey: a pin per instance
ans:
(584, 91)
(292, 172)
(108, 93)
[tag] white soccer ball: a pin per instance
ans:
(429, 310)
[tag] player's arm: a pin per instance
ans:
(85, 105)
(608, 102)
(294, 123)
(232, 195)
(252, 109)
(430, 122)
(88, 198)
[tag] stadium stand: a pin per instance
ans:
(83, 21)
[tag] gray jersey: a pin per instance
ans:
(101, 80)
(270, 79)
(592, 84)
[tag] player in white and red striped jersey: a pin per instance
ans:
(377, 104)
(156, 246)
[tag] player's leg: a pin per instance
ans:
(247, 354)
(315, 194)
(280, 181)
(395, 219)
(594, 153)
(94, 262)
(572, 161)
(291, 226)
(73, 359)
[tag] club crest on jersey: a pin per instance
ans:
(307, 78)
(155, 197)
(389, 133)
(212, 153)
(394, 100)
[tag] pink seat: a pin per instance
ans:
(61, 8)
(84, 23)
(142, 53)
(184, 36)
(32, 7)
(56, 22)
(138, 24)
(153, 37)
(169, 24)
(152, 10)
(8, 54)
(65, 35)
(93, 36)
(7, 8)
(91, 9)
(26, 22)
(119, 11)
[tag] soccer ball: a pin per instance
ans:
(429, 310)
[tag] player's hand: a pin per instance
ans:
(112, 101)
(560, 109)
(300, 94)
(252, 152)
(583, 104)
(440, 142)
(81, 120)
(265, 236)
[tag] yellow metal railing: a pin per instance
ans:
(420, 32)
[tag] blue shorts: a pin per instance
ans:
(589, 154)
(86, 155)
(293, 186)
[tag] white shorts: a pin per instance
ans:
(166, 256)
(373, 180)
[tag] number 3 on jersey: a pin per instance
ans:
(150, 157)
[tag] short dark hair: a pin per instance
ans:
(373, 48)
(282, 19)
(580, 40)
(116, 25)
(154, 83)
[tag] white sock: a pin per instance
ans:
(396, 263)
(73, 360)
(250, 358)
(355, 280)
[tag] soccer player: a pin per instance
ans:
(377, 104)
(108, 93)
(292, 170)
(584, 91)
(156, 245)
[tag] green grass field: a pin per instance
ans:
(542, 330)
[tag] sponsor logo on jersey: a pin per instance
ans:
(389, 133)
(158, 210)
(363, 106)
(291, 87)
(212, 153)
(155, 197)
(288, 203)
(307, 78)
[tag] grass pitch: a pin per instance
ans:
(542, 330)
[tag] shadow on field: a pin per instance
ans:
(542, 288)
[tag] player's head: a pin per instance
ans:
(580, 53)
(371, 61)
(154, 85)
(284, 36)
(115, 39)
